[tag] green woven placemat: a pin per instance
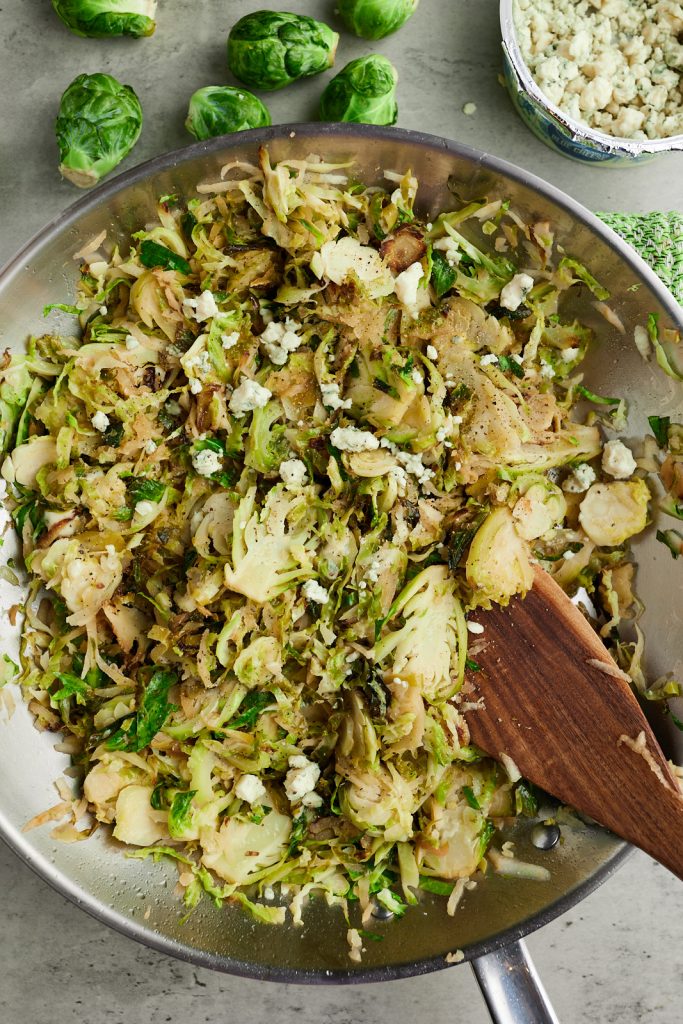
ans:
(658, 237)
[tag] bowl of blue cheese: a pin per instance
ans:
(600, 81)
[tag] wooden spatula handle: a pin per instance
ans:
(569, 725)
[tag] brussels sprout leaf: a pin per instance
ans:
(73, 310)
(253, 706)
(581, 274)
(597, 399)
(673, 540)
(526, 799)
(140, 488)
(72, 686)
(298, 832)
(153, 711)
(180, 813)
(661, 356)
(436, 885)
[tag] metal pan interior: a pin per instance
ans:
(138, 897)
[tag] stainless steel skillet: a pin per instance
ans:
(137, 898)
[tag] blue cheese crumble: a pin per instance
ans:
(617, 460)
(248, 396)
(614, 65)
(351, 439)
(207, 462)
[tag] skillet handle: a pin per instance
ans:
(512, 989)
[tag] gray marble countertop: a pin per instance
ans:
(616, 957)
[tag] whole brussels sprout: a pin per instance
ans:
(98, 123)
(220, 109)
(269, 49)
(364, 91)
(108, 17)
(374, 19)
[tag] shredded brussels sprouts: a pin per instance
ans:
(298, 437)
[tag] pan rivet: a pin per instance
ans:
(544, 837)
(381, 913)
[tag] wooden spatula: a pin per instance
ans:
(562, 718)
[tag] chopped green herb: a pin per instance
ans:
(676, 720)
(510, 365)
(471, 798)
(443, 274)
(659, 425)
(154, 255)
(436, 885)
